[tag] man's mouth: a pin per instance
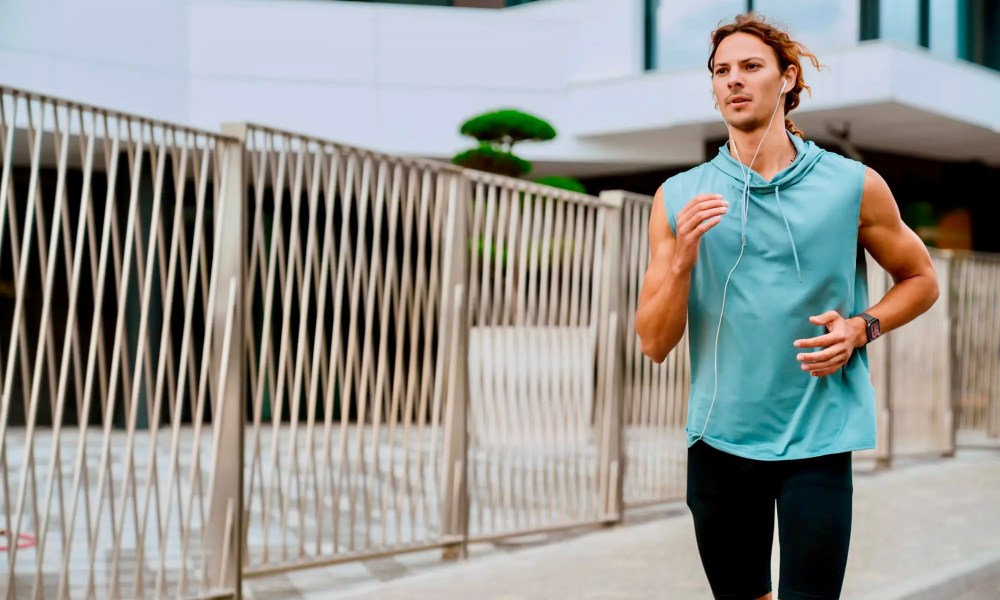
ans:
(739, 100)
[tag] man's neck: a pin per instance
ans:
(776, 152)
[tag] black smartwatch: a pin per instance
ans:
(872, 329)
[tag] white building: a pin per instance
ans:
(914, 83)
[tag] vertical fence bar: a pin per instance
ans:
(610, 354)
(454, 332)
(224, 545)
(944, 386)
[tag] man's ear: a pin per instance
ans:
(790, 76)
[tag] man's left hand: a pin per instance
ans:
(837, 344)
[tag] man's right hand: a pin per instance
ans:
(702, 213)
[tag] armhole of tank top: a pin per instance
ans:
(671, 218)
(861, 191)
(861, 261)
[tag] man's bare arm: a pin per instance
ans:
(663, 301)
(903, 255)
(900, 252)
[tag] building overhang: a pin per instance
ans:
(886, 98)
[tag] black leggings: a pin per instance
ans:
(733, 502)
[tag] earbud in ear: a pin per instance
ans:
(784, 83)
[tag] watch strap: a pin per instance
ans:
(871, 325)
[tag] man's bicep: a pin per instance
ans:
(661, 247)
(659, 225)
(882, 232)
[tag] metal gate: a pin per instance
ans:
(120, 297)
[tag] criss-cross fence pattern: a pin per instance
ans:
(119, 302)
(347, 251)
(654, 396)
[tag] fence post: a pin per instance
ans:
(880, 364)
(948, 337)
(610, 356)
(224, 527)
(453, 383)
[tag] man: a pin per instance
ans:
(759, 252)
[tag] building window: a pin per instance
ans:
(869, 20)
(925, 23)
(649, 35)
(979, 32)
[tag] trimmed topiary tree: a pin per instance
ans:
(498, 132)
(485, 157)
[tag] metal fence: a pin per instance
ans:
(119, 303)
(975, 298)
(542, 449)
(348, 252)
(403, 319)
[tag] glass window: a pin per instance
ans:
(899, 21)
(678, 32)
(943, 27)
(649, 34)
(924, 23)
(869, 20)
(683, 29)
(818, 24)
(979, 32)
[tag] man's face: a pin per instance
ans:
(746, 80)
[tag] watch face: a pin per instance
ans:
(873, 330)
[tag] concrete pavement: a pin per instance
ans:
(924, 529)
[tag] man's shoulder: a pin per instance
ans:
(678, 186)
(835, 160)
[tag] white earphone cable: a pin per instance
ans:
(747, 173)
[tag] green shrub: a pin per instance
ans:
(508, 127)
(487, 158)
(565, 183)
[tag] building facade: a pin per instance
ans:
(909, 86)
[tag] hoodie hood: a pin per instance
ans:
(808, 154)
(806, 157)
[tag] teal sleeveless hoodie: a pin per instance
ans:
(801, 258)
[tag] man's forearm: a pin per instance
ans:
(906, 300)
(660, 322)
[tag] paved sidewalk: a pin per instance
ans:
(923, 530)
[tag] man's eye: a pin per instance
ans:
(720, 71)
(752, 66)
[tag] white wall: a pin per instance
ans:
(129, 55)
(401, 78)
